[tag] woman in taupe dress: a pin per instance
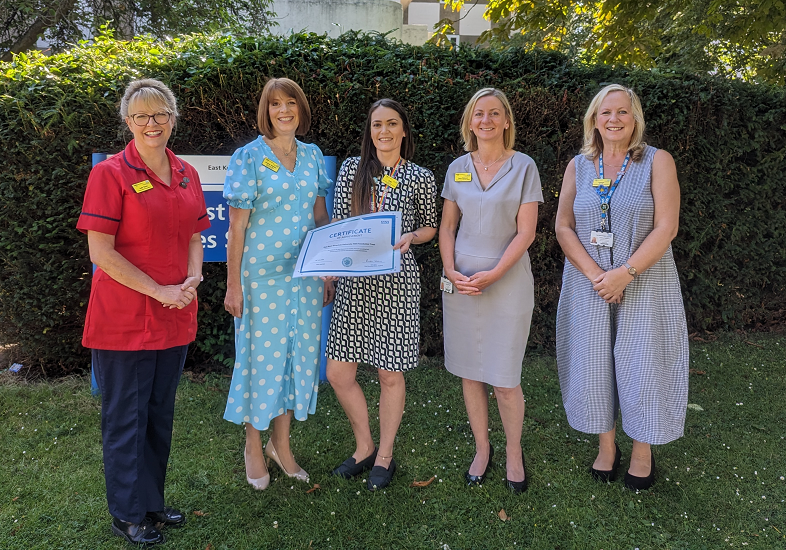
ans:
(491, 198)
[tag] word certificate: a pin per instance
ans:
(352, 247)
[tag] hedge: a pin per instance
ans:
(728, 139)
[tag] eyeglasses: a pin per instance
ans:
(141, 119)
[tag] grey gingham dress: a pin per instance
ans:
(642, 370)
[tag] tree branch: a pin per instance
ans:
(50, 18)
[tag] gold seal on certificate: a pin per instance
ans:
(352, 247)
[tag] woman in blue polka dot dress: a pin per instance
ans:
(276, 188)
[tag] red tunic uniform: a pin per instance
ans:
(152, 230)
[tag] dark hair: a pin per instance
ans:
(289, 88)
(369, 166)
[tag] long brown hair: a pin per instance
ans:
(370, 166)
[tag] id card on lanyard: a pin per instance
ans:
(603, 237)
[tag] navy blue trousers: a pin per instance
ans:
(137, 408)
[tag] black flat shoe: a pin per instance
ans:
(478, 480)
(636, 483)
(380, 477)
(519, 487)
(168, 517)
(143, 533)
(349, 468)
(607, 475)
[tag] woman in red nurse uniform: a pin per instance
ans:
(143, 213)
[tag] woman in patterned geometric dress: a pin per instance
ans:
(622, 340)
(376, 319)
(275, 187)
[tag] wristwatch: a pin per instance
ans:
(631, 270)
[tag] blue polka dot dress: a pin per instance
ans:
(277, 340)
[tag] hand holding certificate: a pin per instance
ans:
(352, 247)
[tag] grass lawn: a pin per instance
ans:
(722, 485)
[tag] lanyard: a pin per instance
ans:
(605, 193)
(378, 208)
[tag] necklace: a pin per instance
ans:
(486, 168)
(286, 153)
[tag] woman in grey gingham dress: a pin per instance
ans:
(622, 340)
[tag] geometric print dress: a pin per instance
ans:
(277, 338)
(632, 356)
(376, 319)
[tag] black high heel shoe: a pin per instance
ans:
(605, 476)
(478, 480)
(519, 487)
(636, 483)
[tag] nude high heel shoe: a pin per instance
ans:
(270, 451)
(259, 484)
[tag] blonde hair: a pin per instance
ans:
(288, 88)
(469, 138)
(593, 144)
(149, 91)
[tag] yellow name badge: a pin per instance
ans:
(462, 176)
(267, 163)
(597, 182)
(390, 181)
(142, 186)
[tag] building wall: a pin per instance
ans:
(335, 17)
(468, 23)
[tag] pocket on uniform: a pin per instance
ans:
(115, 310)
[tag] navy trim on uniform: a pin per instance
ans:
(202, 216)
(99, 216)
(131, 165)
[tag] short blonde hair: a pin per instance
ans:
(469, 138)
(291, 89)
(151, 92)
(593, 144)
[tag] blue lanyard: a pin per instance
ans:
(605, 193)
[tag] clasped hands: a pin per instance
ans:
(474, 284)
(178, 296)
(610, 285)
